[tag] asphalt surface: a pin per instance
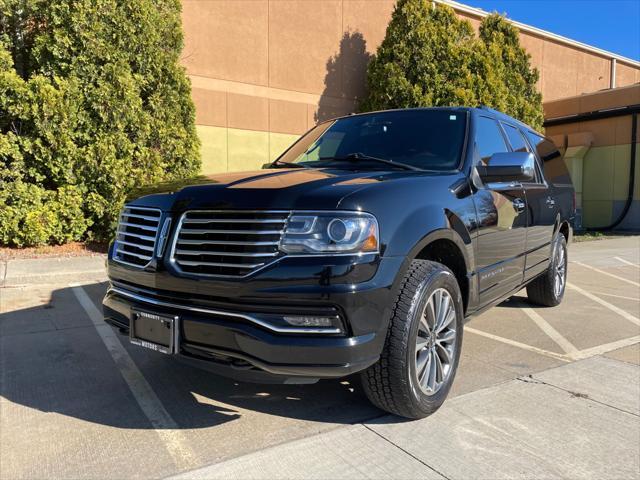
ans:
(77, 400)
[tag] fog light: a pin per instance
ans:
(305, 321)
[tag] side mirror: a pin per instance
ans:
(507, 167)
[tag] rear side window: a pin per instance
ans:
(517, 141)
(555, 170)
(519, 144)
(489, 139)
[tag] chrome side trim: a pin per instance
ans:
(257, 321)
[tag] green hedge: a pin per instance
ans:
(93, 102)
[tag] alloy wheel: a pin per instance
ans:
(436, 342)
(560, 273)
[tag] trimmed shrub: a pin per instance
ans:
(93, 103)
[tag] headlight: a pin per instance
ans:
(330, 232)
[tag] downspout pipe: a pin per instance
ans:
(632, 110)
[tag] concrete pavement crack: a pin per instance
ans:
(530, 379)
(407, 452)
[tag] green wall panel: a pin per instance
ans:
(213, 149)
(622, 154)
(279, 142)
(235, 150)
(597, 213)
(598, 176)
(248, 149)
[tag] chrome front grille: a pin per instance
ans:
(136, 236)
(227, 243)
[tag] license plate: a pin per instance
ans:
(154, 331)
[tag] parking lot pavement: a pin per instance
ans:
(579, 420)
(540, 392)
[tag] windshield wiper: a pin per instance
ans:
(280, 163)
(354, 157)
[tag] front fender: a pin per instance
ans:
(445, 225)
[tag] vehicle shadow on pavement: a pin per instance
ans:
(52, 359)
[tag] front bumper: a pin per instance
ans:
(241, 337)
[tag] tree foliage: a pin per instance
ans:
(93, 102)
(431, 57)
(505, 72)
(422, 59)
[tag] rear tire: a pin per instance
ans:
(422, 348)
(548, 289)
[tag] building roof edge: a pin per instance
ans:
(543, 33)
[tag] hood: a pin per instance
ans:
(288, 189)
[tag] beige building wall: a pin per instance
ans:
(265, 71)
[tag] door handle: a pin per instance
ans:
(550, 202)
(519, 205)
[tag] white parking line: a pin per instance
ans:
(167, 429)
(608, 305)
(513, 343)
(627, 262)
(607, 347)
(607, 273)
(551, 332)
(635, 299)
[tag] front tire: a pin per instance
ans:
(548, 289)
(422, 349)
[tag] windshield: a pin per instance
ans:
(426, 139)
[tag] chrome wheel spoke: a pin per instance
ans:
(424, 326)
(431, 376)
(446, 337)
(445, 354)
(421, 343)
(439, 373)
(423, 375)
(443, 310)
(431, 310)
(450, 316)
(422, 364)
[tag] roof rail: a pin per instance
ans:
(493, 110)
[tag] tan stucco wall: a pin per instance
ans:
(281, 65)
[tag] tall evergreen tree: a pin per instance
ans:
(423, 59)
(93, 102)
(506, 79)
(430, 57)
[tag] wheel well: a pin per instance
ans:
(564, 230)
(447, 253)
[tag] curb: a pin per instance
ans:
(58, 270)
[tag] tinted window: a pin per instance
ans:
(519, 144)
(546, 148)
(429, 139)
(517, 141)
(489, 139)
(555, 170)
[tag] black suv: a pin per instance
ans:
(363, 248)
